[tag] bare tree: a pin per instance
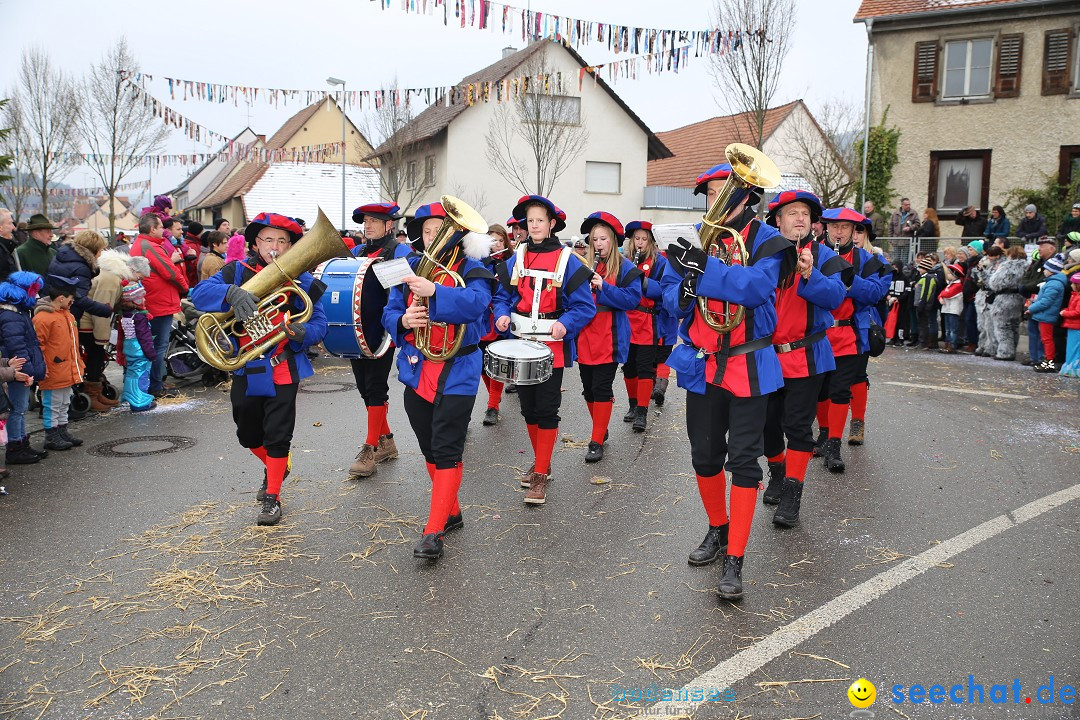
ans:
(822, 147)
(551, 126)
(474, 195)
(6, 160)
(17, 182)
(748, 75)
(400, 151)
(117, 127)
(43, 110)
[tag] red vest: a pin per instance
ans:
(596, 341)
(643, 324)
(428, 385)
(842, 338)
(550, 296)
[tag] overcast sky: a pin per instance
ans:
(273, 43)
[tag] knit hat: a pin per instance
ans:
(1030, 208)
(1076, 206)
(926, 264)
(1075, 278)
(1046, 240)
(1054, 264)
(135, 292)
(1073, 238)
(1074, 256)
(976, 245)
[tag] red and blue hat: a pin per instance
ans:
(265, 220)
(512, 222)
(717, 172)
(607, 219)
(379, 211)
(414, 228)
(790, 196)
(843, 214)
(638, 225)
(553, 211)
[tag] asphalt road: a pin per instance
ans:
(139, 587)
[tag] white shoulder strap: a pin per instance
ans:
(519, 262)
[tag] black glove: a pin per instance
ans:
(685, 257)
(688, 290)
(296, 331)
(243, 303)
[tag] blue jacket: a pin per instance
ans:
(595, 344)
(1046, 308)
(667, 325)
(997, 228)
(75, 262)
(209, 296)
(820, 294)
(869, 285)
(466, 306)
(17, 335)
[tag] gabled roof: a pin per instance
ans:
(293, 125)
(211, 159)
(893, 8)
(298, 189)
(699, 146)
(238, 184)
(438, 116)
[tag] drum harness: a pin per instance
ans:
(556, 277)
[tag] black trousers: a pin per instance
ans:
(860, 369)
(641, 362)
(597, 381)
(663, 352)
(791, 413)
(372, 378)
(264, 421)
(928, 324)
(95, 356)
(540, 403)
(726, 432)
(838, 382)
(440, 429)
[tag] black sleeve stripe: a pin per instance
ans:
(772, 246)
(504, 277)
(479, 272)
(581, 275)
(316, 290)
(871, 267)
(632, 275)
(835, 264)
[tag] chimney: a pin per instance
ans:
(508, 51)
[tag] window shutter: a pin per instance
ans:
(924, 85)
(1009, 61)
(1057, 58)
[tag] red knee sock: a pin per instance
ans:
(823, 414)
(777, 458)
(713, 491)
(384, 429)
(743, 502)
(631, 390)
(601, 416)
(259, 452)
(376, 419)
(275, 473)
(644, 392)
(495, 391)
(545, 446)
(663, 371)
(444, 489)
(837, 420)
(858, 401)
(797, 461)
(533, 430)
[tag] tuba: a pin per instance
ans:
(275, 286)
(435, 262)
(750, 168)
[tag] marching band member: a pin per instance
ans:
(439, 396)
(372, 375)
(728, 376)
(550, 299)
(263, 392)
(496, 264)
(605, 341)
(849, 335)
(804, 306)
(864, 238)
(518, 232)
(646, 333)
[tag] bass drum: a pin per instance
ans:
(353, 302)
(518, 361)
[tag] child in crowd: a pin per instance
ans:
(58, 336)
(18, 294)
(135, 348)
(952, 305)
(10, 372)
(1045, 310)
(1071, 314)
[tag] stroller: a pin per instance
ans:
(182, 360)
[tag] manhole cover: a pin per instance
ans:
(143, 446)
(331, 386)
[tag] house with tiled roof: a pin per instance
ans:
(699, 146)
(218, 188)
(447, 142)
(985, 93)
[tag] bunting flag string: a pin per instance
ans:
(93, 191)
(307, 153)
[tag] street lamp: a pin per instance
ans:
(333, 82)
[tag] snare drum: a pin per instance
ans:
(524, 362)
(353, 302)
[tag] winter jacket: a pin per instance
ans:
(105, 289)
(952, 298)
(1068, 225)
(58, 334)
(1032, 229)
(78, 263)
(191, 249)
(1046, 308)
(17, 335)
(1032, 278)
(211, 263)
(997, 228)
(903, 224)
(7, 374)
(167, 281)
(135, 323)
(7, 258)
(36, 256)
(1071, 314)
(973, 227)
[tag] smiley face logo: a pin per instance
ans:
(862, 693)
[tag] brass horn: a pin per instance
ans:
(750, 168)
(435, 262)
(218, 334)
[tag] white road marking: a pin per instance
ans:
(790, 636)
(958, 390)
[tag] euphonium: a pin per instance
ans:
(274, 285)
(435, 262)
(750, 168)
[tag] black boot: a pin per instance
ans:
(54, 440)
(430, 547)
(261, 494)
(787, 515)
(731, 584)
(491, 416)
(76, 442)
(709, 550)
(819, 447)
(659, 391)
(19, 453)
(771, 496)
(641, 418)
(631, 413)
(833, 461)
(454, 522)
(271, 511)
(595, 453)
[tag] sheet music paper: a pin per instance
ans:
(666, 235)
(391, 272)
